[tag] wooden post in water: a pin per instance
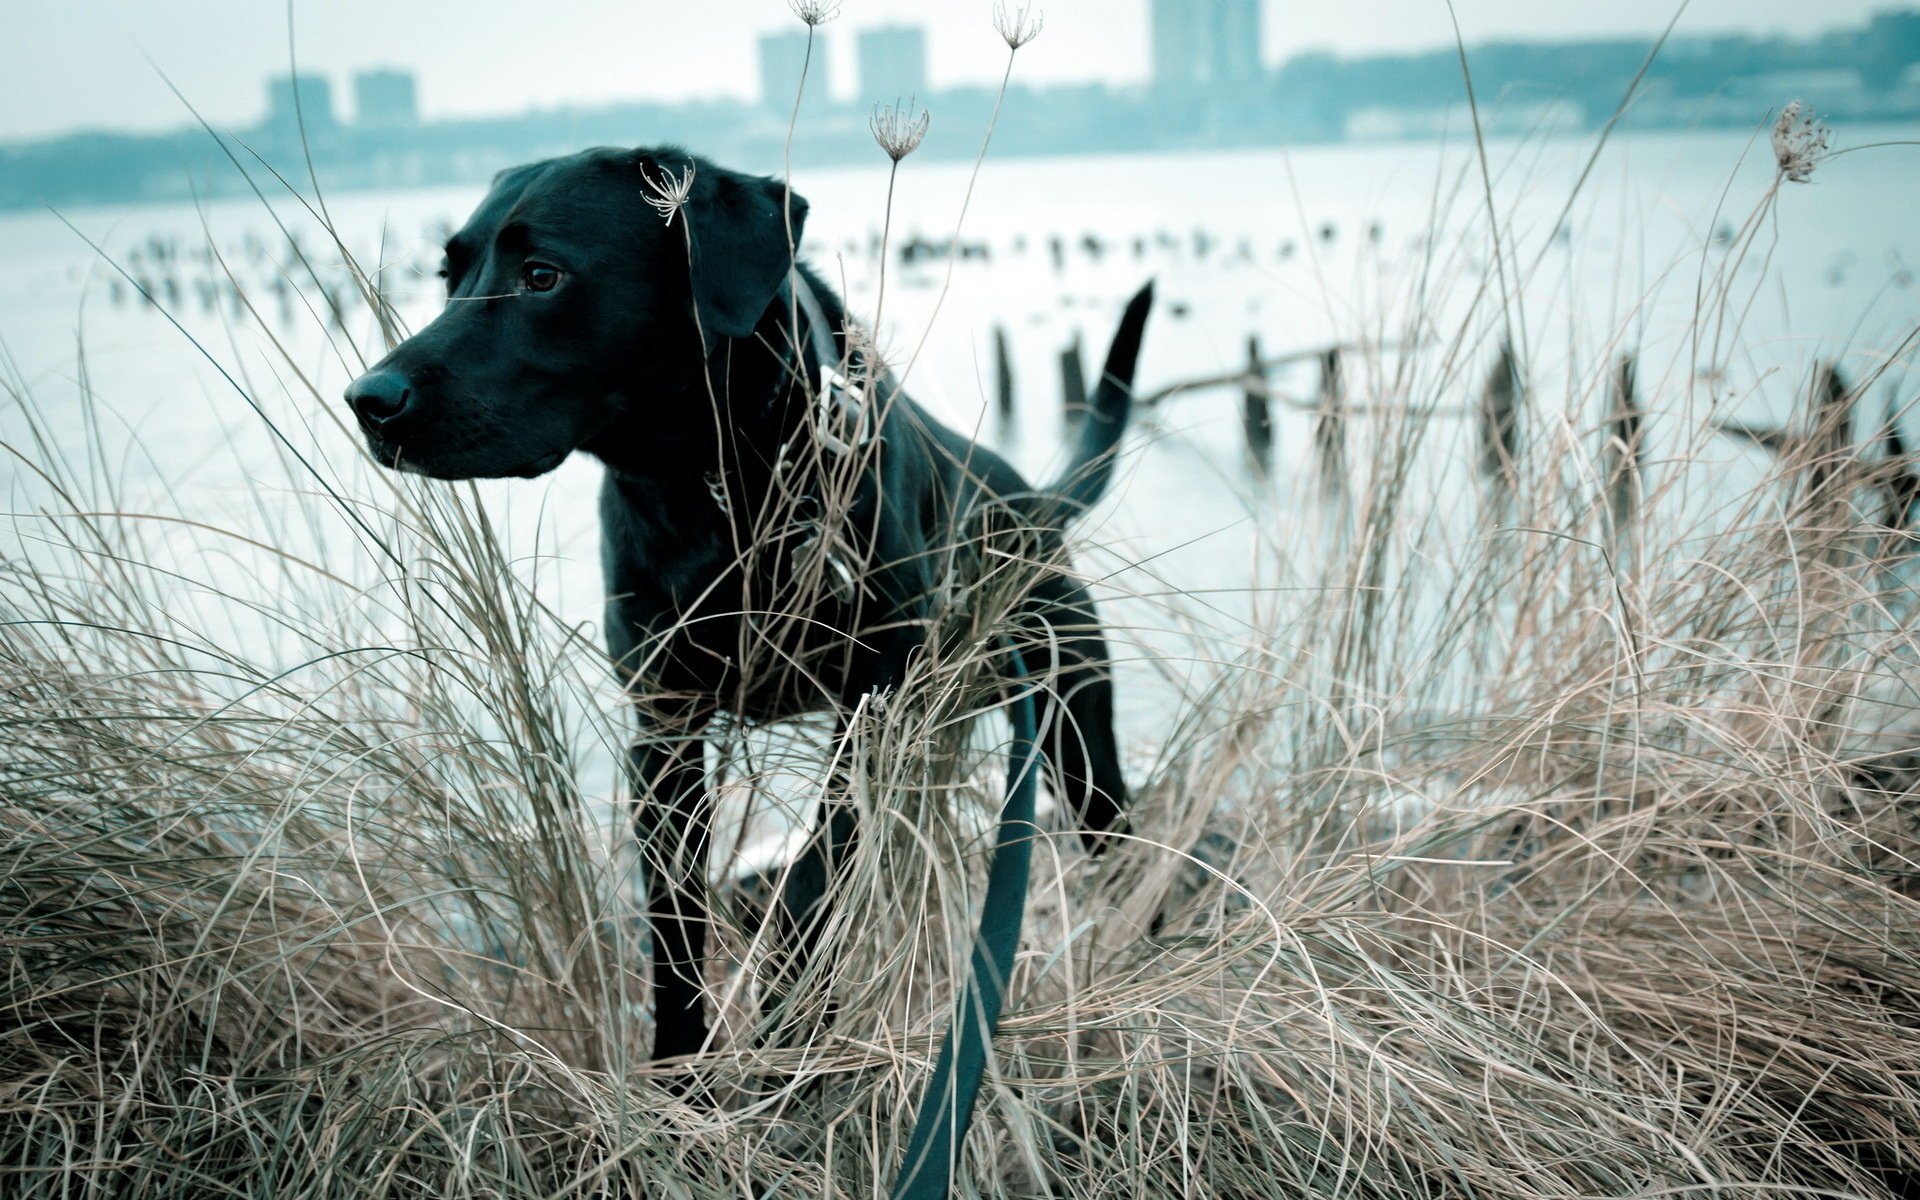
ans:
(1330, 422)
(1500, 421)
(1902, 483)
(1002, 372)
(1256, 410)
(1073, 382)
(1832, 440)
(1625, 425)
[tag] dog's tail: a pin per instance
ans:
(1087, 475)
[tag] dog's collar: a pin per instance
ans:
(840, 414)
(840, 422)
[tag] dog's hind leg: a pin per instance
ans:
(807, 898)
(671, 820)
(816, 878)
(1075, 711)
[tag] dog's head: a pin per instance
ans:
(574, 305)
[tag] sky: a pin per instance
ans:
(102, 64)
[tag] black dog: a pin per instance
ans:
(766, 554)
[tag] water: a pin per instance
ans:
(1302, 248)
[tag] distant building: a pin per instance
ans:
(1889, 48)
(1235, 31)
(783, 58)
(1828, 91)
(1510, 118)
(893, 63)
(385, 100)
(1176, 43)
(297, 102)
(1198, 44)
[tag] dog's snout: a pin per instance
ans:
(379, 396)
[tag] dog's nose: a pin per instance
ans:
(379, 396)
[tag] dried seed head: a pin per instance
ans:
(815, 12)
(1799, 142)
(1018, 25)
(669, 194)
(862, 353)
(717, 488)
(897, 129)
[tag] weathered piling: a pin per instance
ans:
(1330, 422)
(1002, 372)
(1256, 409)
(1902, 482)
(1625, 426)
(1832, 441)
(1826, 453)
(1500, 420)
(1073, 382)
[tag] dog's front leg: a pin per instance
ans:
(671, 821)
(807, 898)
(819, 874)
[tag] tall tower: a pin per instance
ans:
(295, 102)
(1235, 49)
(893, 63)
(783, 56)
(1177, 39)
(1205, 43)
(385, 100)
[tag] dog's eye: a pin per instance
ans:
(539, 277)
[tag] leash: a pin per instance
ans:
(839, 403)
(946, 1108)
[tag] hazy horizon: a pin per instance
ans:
(487, 57)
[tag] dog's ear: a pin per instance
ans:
(741, 246)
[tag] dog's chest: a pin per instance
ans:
(761, 617)
(662, 545)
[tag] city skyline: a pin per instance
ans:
(576, 56)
